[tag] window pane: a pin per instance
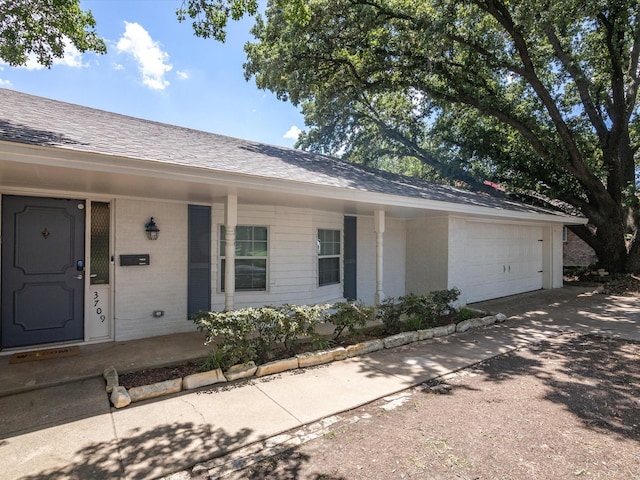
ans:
(260, 234)
(244, 233)
(223, 234)
(243, 248)
(328, 270)
(250, 275)
(329, 242)
(100, 221)
(250, 241)
(259, 249)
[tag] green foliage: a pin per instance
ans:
(216, 359)
(210, 18)
(414, 312)
(544, 104)
(233, 334)
(40, 28)
(321, 343)
(441, 300)
(349, 316)
(389, 312)
(282, 325)
(252, 333)
(414, 323)
(467, 314)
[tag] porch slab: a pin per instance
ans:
(93, 359)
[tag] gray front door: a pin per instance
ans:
(42, 270)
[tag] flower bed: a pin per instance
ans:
(187, 376)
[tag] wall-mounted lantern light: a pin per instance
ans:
(152, 230)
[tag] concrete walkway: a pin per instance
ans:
(70, 431)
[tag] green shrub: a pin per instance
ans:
(349, 316)
(301, 320)
(441, 300)
(232, 332)
(321, 343)
(389, 312)
(229, 353)
(282, 325)
(418, 311)
(253, 333)
(413, 323)
(214, 360)
(419, 308)
(467, 314)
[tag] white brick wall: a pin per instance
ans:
(394, 243)
(292, 265)
(162, 285)
(428, 255)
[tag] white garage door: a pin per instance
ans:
(502, 260)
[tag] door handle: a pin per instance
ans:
(79, 276)
(93, 275)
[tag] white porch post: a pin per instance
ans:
(378, 226)
(230, 223)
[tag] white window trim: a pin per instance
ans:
(238, 257)
(320, 257)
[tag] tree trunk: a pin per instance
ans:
(611, 248)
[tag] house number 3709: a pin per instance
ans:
(97, 304)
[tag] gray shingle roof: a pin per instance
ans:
(39, 121)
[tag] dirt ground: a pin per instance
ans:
(565, 408)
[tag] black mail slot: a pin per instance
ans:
(139, 259)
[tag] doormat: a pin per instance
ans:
(36, 355)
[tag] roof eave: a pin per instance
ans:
(100, 163)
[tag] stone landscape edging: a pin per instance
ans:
(121, 397)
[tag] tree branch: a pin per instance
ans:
(632, 93)
(423, 155)
(582, 83)
(579, 168)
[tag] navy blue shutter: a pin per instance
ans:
(199, 278)
(350, 258)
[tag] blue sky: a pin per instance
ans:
(157, 69)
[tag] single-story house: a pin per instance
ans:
(116, 228)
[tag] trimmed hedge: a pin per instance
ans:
(252, 334)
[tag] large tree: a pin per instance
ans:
(537, 95)
(43, 28)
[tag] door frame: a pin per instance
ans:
(110, 336)
(109, 333)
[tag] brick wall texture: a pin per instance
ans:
(576, 252)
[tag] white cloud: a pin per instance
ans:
(182, 75)
(293, 133)
(5, 83)
(72, 58)
(152, 60)
(118, 66)
(32, 63)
